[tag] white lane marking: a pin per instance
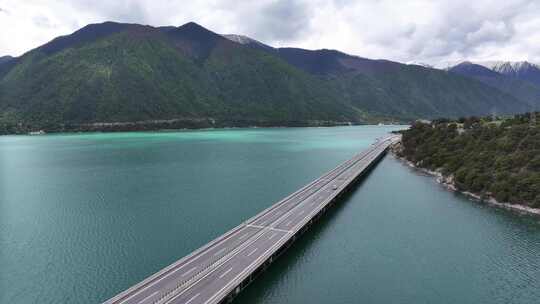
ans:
(288, 223)
(255, 226)
(253, 251)
(233, 255)
(272, 236)
(149, 296)
(225, 273)
(271, 228)
(242, 273)
(189, 271)
(243, 236)
(192, 298)
(220, 251)
(172, 270)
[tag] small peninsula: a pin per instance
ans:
(493, 159)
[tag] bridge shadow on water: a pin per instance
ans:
(258, 290)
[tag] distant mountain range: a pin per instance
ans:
(115, 76)
(521, 70)
(519, 79)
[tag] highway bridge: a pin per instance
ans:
(216, 272)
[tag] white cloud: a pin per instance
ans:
(415, 30)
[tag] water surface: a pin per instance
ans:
(84, 216)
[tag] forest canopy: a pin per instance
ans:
(492, 156)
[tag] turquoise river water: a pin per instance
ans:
(84, 216)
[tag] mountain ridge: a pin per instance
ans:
(522, 70)
(123, 73)
(524, 90)
(5, 58)
(332, 63)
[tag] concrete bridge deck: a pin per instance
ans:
(216, 272)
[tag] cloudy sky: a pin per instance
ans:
(425, 31)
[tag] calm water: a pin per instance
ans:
(83, 217)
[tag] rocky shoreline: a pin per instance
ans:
(449, 184)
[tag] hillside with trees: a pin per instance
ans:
(491, 157)
(116, 76)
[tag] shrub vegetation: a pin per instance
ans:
(498, 157)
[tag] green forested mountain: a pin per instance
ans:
(498, 158)
(189, 76)
(142, 73)
(398, 90)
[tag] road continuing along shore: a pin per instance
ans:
(216, 272)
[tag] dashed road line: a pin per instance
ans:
(225, 273)
(193, 298)
(220, 251)
(252, 252)
(155, 292)
(189, 271)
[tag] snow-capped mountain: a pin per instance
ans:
(522, 70)
(420, 63)
(490, 64)
(245, 40)
(505, 67)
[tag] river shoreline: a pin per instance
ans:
(180, 129)
(20, 128)
(449, 184)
